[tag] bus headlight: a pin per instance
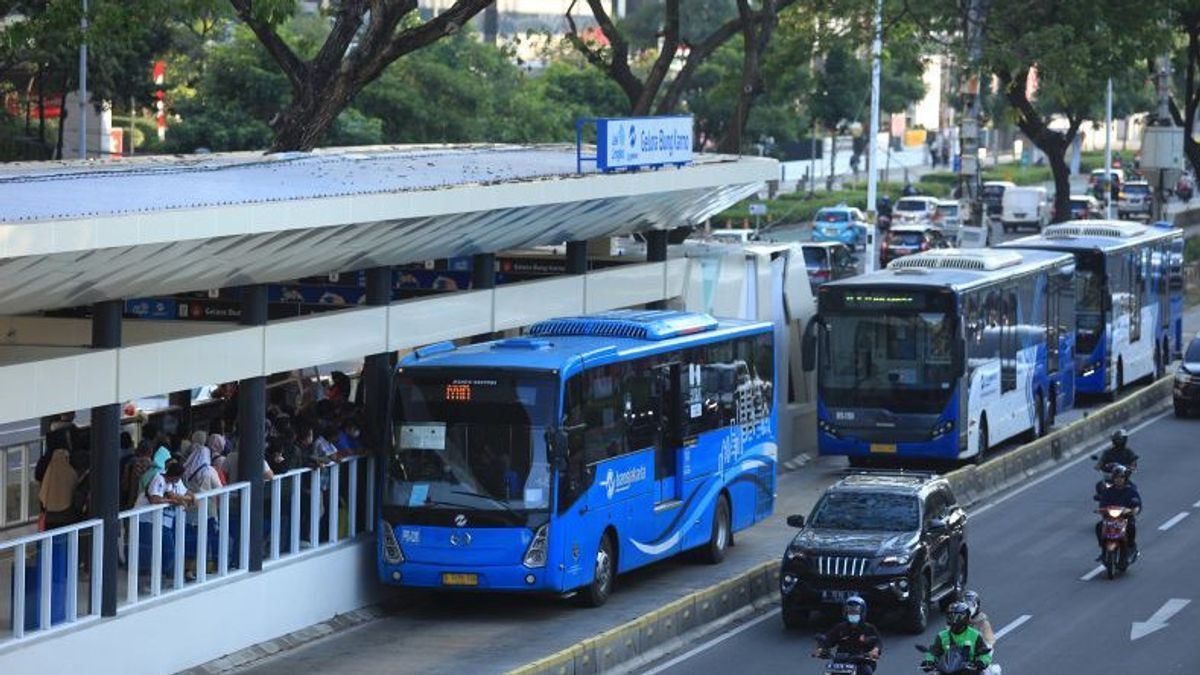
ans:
(535, 555)
(392, 553)
(828, 428)
(942, 429)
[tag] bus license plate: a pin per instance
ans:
(889, 448)
(449, 579)
(838, 597)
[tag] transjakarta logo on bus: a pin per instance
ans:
(620, 481)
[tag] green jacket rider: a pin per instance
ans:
(959, 635)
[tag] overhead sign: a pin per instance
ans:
(641, 142)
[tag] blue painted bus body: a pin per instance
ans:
(654, 500)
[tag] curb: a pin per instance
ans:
(627, 641)
(971, 484)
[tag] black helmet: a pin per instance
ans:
(958, 616)
(1119, 471)
(1119, 438)
(855, 606)
(972, 600)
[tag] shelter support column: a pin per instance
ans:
(252, 434)
(105, 502)
(577, 257)
(656, 251)
(483, 277)
(377, 379)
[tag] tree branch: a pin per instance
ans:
(295, 69)
(662, 64)
(345, 27)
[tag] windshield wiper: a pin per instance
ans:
(501, 502)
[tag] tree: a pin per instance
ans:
(365, 38)
(1186, 18)
(1027, 37)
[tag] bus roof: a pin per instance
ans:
(955, 269)
(1092, 235)
(564, 344)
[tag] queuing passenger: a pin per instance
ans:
(57, 492)
(348, 439)
(165, 486)
(158, 462)
(198, 471)
(134, 469)
(216, 446)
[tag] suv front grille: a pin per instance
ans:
(840, 566)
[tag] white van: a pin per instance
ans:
(1025, 207)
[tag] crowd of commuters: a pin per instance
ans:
(314, 429)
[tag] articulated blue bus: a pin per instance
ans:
(591, 446)
(944, 354)
(1129, 298)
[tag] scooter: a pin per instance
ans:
(1114, 523)
(952, 662)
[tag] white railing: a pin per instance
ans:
(17, 464)
(288, 536)
(160, 517)
(55, 572)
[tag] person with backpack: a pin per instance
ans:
(201, 476)
(163, 486)
(57, 492)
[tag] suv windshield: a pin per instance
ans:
(910, 205)
(472, 441)
(905, 238)
(1137, 189)
(900, 361)
(814, 257)
(1193, 352)
(993, 192)
(874, 511)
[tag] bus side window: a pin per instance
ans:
(572, 480)
(603, 413)
(698, 396)
(640, 398)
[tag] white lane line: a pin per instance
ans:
(1173, 521)
(1092, 575)
(1196, 505)
(711, 643)
(1041, 479)
(1015, 624)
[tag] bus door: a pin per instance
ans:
(668, 483)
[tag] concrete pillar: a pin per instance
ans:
(105, 500)
(577, 257)
(656, 251)
(377, 380)
(483, 277)
(252, 435)
(183, 401)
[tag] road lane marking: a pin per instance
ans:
(1015, 624)
(1173, 521)
(1041, 479)
(1092, 575)
(1196, 505)
(1158, 620)
(704, 646)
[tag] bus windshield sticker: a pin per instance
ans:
(533, 496)
(420, 492)
(425, 436)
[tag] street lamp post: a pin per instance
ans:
(872, 146)
(83, 49)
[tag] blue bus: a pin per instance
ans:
(1129, 298)
(944, 354)
(588, 447)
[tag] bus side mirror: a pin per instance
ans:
(556, 446)
(808, 346)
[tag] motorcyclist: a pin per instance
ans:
(959, 635)
(1117, 454)
(908, 190)
(853, 636)
(1120, 492)
(981, 623)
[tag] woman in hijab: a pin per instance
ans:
(157, 463)
(58, 490)
(216, 444)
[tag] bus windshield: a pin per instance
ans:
(471, 441)
(900, 361)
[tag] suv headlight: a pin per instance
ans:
(535, 555)
(794, 552)
(897, 559)
(392, 553)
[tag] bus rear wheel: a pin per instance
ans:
(597, 592)
(722, 534)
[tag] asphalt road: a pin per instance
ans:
(1032, 560)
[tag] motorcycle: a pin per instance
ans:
(952, 662)
(1114, 523)
(840, 662)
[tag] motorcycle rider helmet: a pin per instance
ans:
(958, 616)
(1119, 438)
(855, 609)
(972, 600)
(1119, 471)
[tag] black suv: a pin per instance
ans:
(898, 539)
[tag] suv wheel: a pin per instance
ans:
(793, 619)
(916, 614)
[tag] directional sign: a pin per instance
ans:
(1158, 620)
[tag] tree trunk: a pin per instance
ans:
(754, 43)
(62, 123)
(41, 100)
(1062, 183)
(1052, 143)
(304, 123)
(832, 159)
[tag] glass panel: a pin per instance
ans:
(12, 490)
(881, 512)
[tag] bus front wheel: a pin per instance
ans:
(597, 592)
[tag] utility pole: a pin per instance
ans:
(969, 176)
(83, 96)
(1107, 182)
(872, 146)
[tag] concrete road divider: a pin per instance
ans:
(761, 583)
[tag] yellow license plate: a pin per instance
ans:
(449, 579)
(889, 448)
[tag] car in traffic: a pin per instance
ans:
(1084, 207)
(993, 196)
(1186, 394)
(1135, 200)
(734, 235)
(915, 210)
(950, 218)
(904, 240)
(828, 261)
(841, 223)
(898, 539)
(1025, 207)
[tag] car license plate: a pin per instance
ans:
(889, 448)
(836, 596)
(1019, 215)
(452, 579)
